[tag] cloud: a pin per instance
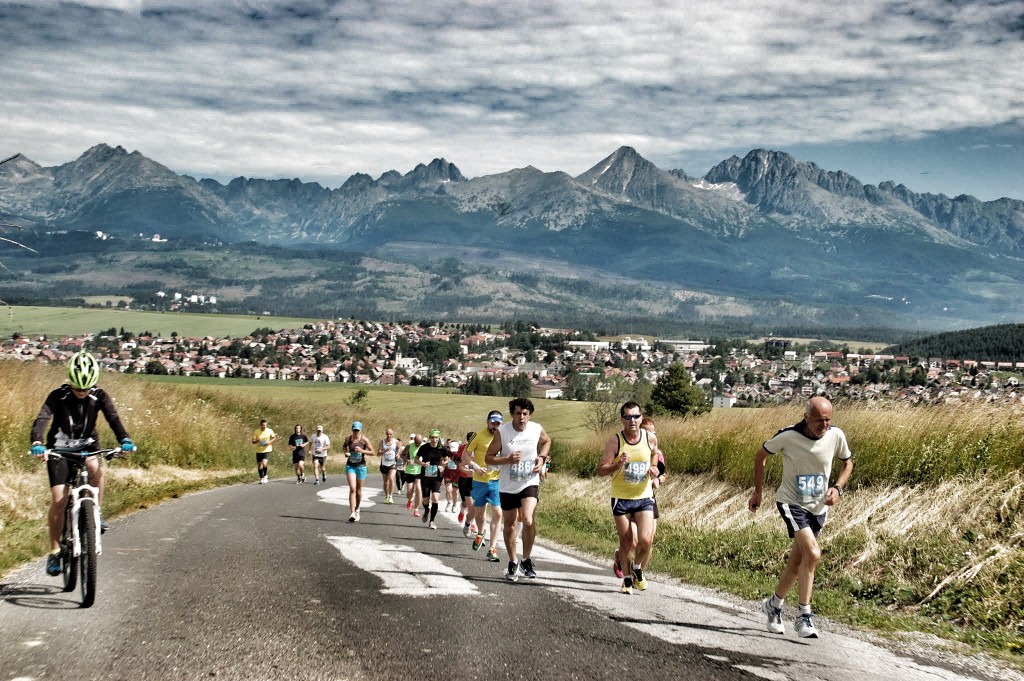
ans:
(321, 90)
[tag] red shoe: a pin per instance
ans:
(416, 513)
(462, 515)
(615, 565)
(408, 504)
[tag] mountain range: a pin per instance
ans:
(765, 228)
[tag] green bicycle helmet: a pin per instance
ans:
(83, 370)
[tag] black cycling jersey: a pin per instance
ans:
(75, 419)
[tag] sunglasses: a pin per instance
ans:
(632, 417)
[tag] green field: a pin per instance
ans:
(403, 408)
(70, 321)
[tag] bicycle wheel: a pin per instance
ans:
(87, 562)
(68, 561)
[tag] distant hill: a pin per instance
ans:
(1002, 342)
(766, 231)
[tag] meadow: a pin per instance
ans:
(69, 321)
(927, 538)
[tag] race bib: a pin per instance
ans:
(452, 465)
(355, 457)
(522, 471)
(431, 471)
(389, 459)
(636, 472)
(810, 487)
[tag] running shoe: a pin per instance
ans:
(527, 567)
(465, 530)
(323, 478)
(615, 565)
(638, 579)
(316, 482)
(416, 513)
(389, 500)
(492, 556)
(357, 515)
(627, 586)
(302, 479)
(462, 515)
(352, 518)
(53, 564)
(426, 516)
(472, 527)
(447, 508)
(478, 541)
(432, 525)
(774, 615)
(103, 526)
(805, 626)
(513, 572)
(298, 481)
(408, 505)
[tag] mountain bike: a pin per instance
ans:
(80, 544)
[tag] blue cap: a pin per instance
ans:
(494, 418)
(357, 425)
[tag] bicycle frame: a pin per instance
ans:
(75, 495)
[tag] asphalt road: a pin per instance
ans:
(272, 582)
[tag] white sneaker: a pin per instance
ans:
(357, 515)
(774, 616)
(465, 530)
(432, 525)
(805, 626)
(352, 518)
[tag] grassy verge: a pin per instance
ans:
(894, 560)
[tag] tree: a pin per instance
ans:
(155, 367)
(675, 393)
(360, 399)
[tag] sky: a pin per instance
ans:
(923, 92)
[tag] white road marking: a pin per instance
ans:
(404, 571)
(688, 616)
(339, 496)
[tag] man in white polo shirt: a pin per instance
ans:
(803, 500)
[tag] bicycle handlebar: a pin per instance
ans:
(108, 454)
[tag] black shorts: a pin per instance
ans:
(262, 456)
(631, 507)
(384, 470)
(430, 485)
(798, 517)
(656, 514)
(510, 501)
(59, 472)
(466, 487)
(296, 458)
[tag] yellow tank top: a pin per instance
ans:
(633, 481)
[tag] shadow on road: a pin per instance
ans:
(36, 596)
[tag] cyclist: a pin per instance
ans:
(71, 413)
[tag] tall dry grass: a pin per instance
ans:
(930, 528)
